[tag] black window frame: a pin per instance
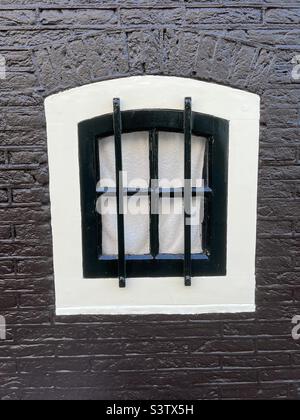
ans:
(213, 260)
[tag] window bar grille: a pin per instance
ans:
(117, 119)
(187, 191)
(154, 196)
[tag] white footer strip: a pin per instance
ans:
(159, 309)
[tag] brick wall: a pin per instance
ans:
(54, 45)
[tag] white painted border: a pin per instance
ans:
(234, 292)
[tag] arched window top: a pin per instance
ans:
(162, 92)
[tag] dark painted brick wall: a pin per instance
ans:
(53, 45)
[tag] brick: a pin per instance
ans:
(77, 18)
(260, 393)
(161, 362)
(24, 119)
(6, 267)
(285, 173)
(3, 196)
(7, 301)
(283, 67)
(17, 17)
(27, 250)
(282, 98)
(25, 215)
(242, 64)
(223, 16)
(27, 317)
(151, 17)
(8, 366)
(5, 232)
(274, 246)
(23, 138)
(280, 117)
(144, 51)
(274, 263)
(277, 15)
(223, 62)
(175, 45)
(34, 195)
(33, 232)
(280, 136)
(47, 364)
(204, 56)
(35, 267)
(262, 69)
(34, 300)
(18, 60)
(2, 158)
(247, 329)
(279, 209)
(15, 178)
(27, 157)
(279, 375)
(276, 189)
(256, 361)
(278, 344)
(275, 227)
(18, 81)
(30, 98)
(275, 295)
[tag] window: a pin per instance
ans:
(210, 260)
(224, 141)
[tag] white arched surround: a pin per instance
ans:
(234, 292)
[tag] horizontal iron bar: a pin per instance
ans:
(162, 257)
(173, 192)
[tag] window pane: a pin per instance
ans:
(137, 222)
(107, 208)
(135, 152)
(171, 174)
(171, 225)
(171, 159)
(136, 218)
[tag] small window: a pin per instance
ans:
(174, 166)
(153, 131)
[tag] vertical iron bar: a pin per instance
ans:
(120, 197)
(98, 179)
(154, 196)
(207, 197)
(187, 191)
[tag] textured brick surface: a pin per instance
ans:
(53, 45)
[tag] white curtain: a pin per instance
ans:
(135, 151)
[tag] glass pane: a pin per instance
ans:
(171, 160)
(135, 152)
(136, 218)
(107, 208)
(137, 226)
(171, 174)
(171, 225)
